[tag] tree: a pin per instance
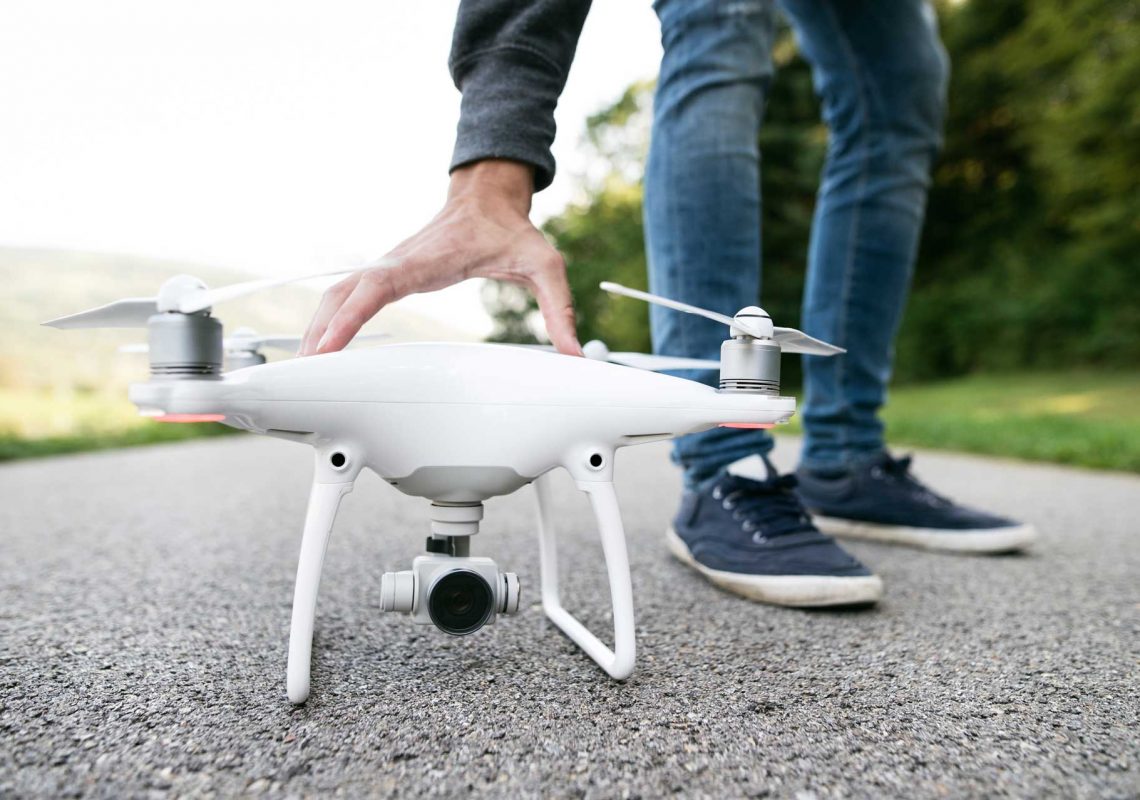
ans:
(1033, 224)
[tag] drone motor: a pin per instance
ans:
(184, 346)
(750, 357)
(749, 363)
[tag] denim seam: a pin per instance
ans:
(848, 269)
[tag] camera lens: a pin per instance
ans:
(460, 602)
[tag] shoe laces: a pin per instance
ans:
(765, 509)
(898, 471)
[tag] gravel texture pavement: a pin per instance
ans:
(144, 610)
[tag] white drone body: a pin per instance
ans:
(457, 424)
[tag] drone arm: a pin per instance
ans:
(618, 662)
(324, 499)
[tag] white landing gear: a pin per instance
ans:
(618, 662)
(334, 477)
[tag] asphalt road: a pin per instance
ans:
(144, 610)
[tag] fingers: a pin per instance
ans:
(463, 241)
(554, 301)
(331, 301)
(375, 289)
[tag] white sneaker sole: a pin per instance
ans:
(804, 591)
(989, 540)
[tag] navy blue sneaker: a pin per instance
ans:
(755, 539)
(882, 501)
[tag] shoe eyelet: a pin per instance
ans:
(727, 506)
(717, 493)
(759, 538)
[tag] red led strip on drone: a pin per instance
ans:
(190, 418)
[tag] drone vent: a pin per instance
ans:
(183, 370)
(750, 385)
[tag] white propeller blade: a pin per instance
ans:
(286, 342)
(199, 299)
(789, 339)
(252, 342)
(184, 294)
(662, 363)
(598, 351)
(130, 312)
(618, 288)
(793, 341)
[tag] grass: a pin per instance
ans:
(1088, 419)
(46, 423)
(13, 447)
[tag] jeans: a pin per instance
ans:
(881, 73)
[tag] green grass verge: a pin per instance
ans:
(40, 422)
(1088, 419)
(12, 447)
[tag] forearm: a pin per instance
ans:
(510, 60)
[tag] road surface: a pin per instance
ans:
(145, 608)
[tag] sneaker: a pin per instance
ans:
(882, 501)
(755, 539)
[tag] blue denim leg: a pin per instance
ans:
(702, 192)
(881, 73)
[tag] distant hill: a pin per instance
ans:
(40, 284)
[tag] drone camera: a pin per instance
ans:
(457, 594)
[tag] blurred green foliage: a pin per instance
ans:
(1033, 226)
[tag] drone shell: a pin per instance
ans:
(461, 422)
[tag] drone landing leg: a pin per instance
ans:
(323, 503)
(619, 661)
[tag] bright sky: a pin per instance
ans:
(268, 135)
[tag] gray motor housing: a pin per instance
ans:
(750, 365)
(184, 346)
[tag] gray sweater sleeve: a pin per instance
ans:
(510, 59)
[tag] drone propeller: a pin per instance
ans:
(598, 351)
(130, 312)
(751, 321)
(247, 340)
(183, 294)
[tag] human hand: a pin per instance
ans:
(484, 230)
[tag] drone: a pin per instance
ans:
(455, 424)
